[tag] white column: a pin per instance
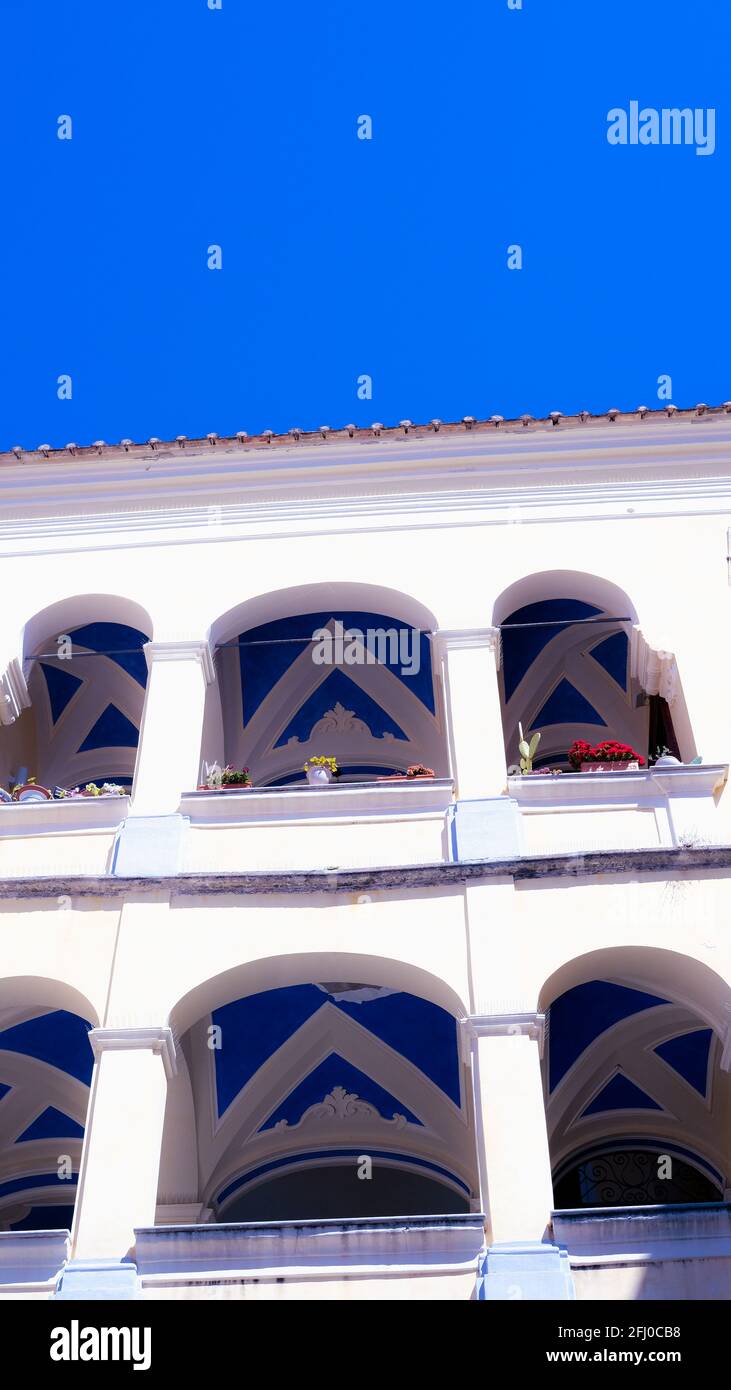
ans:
(477, 747)
(121, 1158)
(515, 1165)
(172, 725)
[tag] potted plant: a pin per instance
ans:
(234, 781)
(609, 756)
(92, 789)
(321, 770)
(30, 791)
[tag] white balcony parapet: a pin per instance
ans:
(673, 805)
(58, 817)
(29, 1259)
(394, 1245)
(348, 800)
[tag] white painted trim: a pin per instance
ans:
(14, 697)
(531, 1025)
(196, 649)
(461, 639)
(158, 1040)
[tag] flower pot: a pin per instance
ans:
(234, 787)
(319, 776)
(617, 766)
(32, 792)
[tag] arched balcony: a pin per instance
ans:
(638, 1094)
(84, 677)
(46, 1065)
(336, 670)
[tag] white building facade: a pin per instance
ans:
(464, 1033)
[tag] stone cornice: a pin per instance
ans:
(688, 861)
(157, 1040)
(226, 493)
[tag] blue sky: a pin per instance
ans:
(343, 257)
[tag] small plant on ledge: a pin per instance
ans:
(226, 778)
(609, 756)
(527, 750)
(419, 770)
(321, 769)
(230, 777)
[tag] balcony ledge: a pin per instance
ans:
(311, 1247)
(347, 800)
(58, 817)
(628, 788)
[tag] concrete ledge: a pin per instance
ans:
(608, 1235)
(58, 817)
(302, 802)
(28, 1257)
(418, 1242)
(686, 861)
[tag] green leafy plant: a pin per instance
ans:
(527, 750)
(230, 777)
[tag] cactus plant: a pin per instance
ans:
(527, 750)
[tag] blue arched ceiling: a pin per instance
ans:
(266, 653)
(336, 1071)
(522, 644)
(583, 1014)
(87, 684)
(580, 1015)
(255, 1027)
(45, 1045)
(338, 687)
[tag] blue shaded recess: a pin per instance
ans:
(335, 1071)
(612, 655)
(52, 1124)
(688, 1055)
(118, 641)
(419, 1030)
(61, 686)
(620, 1094)
(59, 1038)
(522, 645)
(46, 1219)
(577, 1017)
(4, 1089)
(112, 730)
(255, 1027)
(339, 686)
(28, 1183)
(566, 705)
(284, 640)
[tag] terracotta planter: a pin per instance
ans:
(30, 791)
(240, 787)
(401, 777)
(617, 766)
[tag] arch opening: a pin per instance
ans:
(636, 1082)
(46, 1064)
(575, 667)
(328, 1099)
(342, 671)
(85, 675)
